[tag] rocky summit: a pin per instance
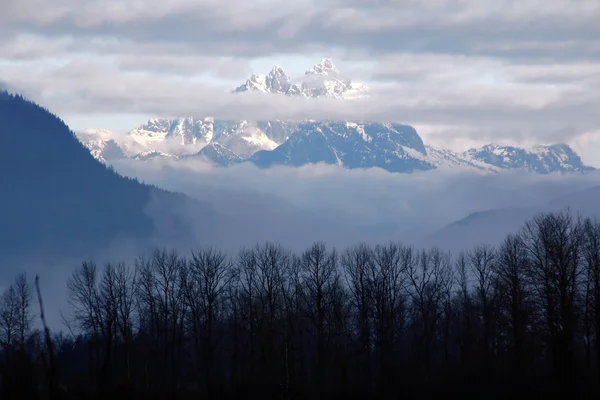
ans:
(351, 144)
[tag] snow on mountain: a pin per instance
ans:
(105, 150)
(539, 159)
(154, 154)
(494, 158)
(245, 138)
(398, 148)
(182, 131)
(448, 159)
(219, 155)
(324, 80)
(276, 81)
(188, 136)
(321, 80)
(394, 147)
(255, 82)
(325, 67)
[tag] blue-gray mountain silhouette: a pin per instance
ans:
(58, 200)
(394, 147)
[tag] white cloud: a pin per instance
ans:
(473, 72)
(314, 202)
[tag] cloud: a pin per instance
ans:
(521, 29)
(31, 47)
(521, 71)
(184, 65)
(314, 202)
(296, 206)
(468, 111)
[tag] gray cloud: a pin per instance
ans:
(185, 65)
(517, 111)
(296, 206)
(471, 71)
(324, 202)
(510, 29)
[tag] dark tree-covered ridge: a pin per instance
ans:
(56, 198)
(385, 321)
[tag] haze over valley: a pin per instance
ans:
(301, 199)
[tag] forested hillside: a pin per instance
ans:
(58, 200)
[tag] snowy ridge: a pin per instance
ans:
(184, 131)
(104, 149)
(351, 144)
(494, 158)
(321, 80)
(219, 155)
(394, 147)
(153, 154)
(448, 159)
(538, 159)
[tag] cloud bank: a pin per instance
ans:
(297, 206)
(341, 206)
(519, 72)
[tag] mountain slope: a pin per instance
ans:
(354, 145)
(493, 158)
(492, 226)
(105, 150)
(218, 154)
(394, 147)
(321, 80)
(59, 200)
(295, 143)
(539, 159)
(183, 131)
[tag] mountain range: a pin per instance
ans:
(60, 201)
(393, 147)
(351, 144)
(322, 80)
(492, 226)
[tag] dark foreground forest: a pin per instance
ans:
(386, 321)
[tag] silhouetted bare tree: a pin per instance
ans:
(591, 255)
(271, 323)
(515, 300)
(428, 276)
(554, 243)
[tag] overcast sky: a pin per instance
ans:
(464, 73)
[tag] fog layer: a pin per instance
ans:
(322, 202)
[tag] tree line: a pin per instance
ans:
(383, 321)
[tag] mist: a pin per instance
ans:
(242, 205)
(297, 206)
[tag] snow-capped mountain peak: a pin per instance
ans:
(394, 147)
(150, 155)
(324, 67)
(542, 159)
(277, 71)
(184, 131)
(256, 83)
(277, 81)
(352, 144)
(322, 80)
